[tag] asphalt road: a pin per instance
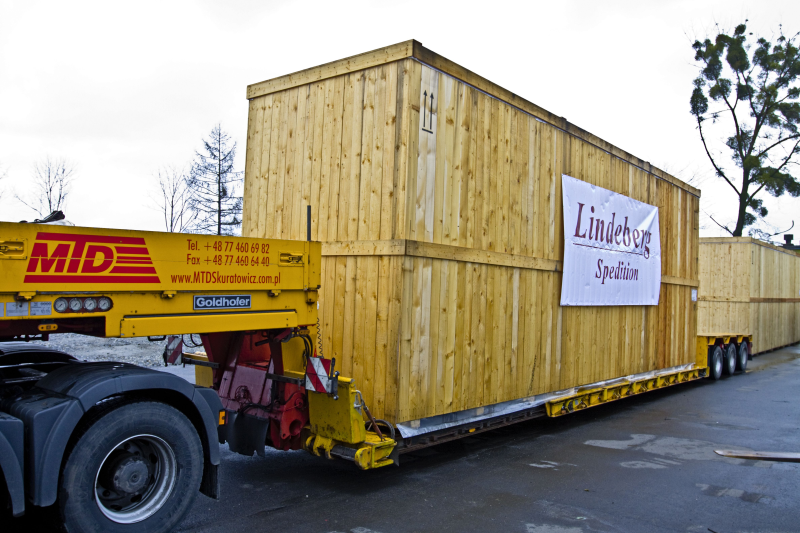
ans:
(644, 464)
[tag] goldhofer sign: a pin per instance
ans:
(612, 247)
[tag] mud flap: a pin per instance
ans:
(246, 434)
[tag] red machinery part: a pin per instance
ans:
(248, 381)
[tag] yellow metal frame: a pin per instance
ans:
(603, 395)
(341, 423)
(152, 278)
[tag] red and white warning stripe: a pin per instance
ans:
(173, 349)
(317, 375)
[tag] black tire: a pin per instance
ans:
(715, 357)
(153, 463)
(729, 363)
(742, 356)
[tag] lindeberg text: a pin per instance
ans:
(612, 247)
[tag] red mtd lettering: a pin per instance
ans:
(90, 266)
(79, 258)
(40, 255)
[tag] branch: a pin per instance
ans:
(717, 223)
(735, 122)
(767, 149)
(785, 162)
(705, 146)
(784, 231)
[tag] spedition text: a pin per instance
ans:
(621, 272)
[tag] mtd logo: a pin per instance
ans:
(66, 258)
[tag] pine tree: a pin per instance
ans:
(214, 186)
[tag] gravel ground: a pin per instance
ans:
(138, 351)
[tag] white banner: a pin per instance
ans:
(612, 247)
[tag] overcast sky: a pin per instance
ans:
(123, 89)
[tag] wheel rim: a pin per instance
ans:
(718, 365)
(135, 479)
(730, 359)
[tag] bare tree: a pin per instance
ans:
(214, 184)
(174, 199)
(50, 186)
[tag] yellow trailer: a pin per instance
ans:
(137, 444)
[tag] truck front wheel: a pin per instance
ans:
(136, 469)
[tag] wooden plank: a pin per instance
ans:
(270, 174)
(442, 155)
(297, 219)
(283, 201)
(370, 327)
(478, 393)
(318, 92)
(394, 357)
(388, 191)
(255, 117)
(403, 148)
(308, 158)
(262, 176)
(382, 302)
(438, 319)
(350, 120)
(450, 367)
(373, 222)
(365, 193)
(457, 388)
(490, 348)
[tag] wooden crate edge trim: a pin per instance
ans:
(365, 60)
(407, 247)
(722, 299)
(747, 240)
(675, 280)
(774, 300)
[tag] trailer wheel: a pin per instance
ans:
(730, 360)
(742, 357)
(715, 363)
(136, 469)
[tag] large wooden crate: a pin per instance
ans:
(749, 287)
(437, 195)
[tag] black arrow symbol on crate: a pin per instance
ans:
(424, 99)
(431, 109)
